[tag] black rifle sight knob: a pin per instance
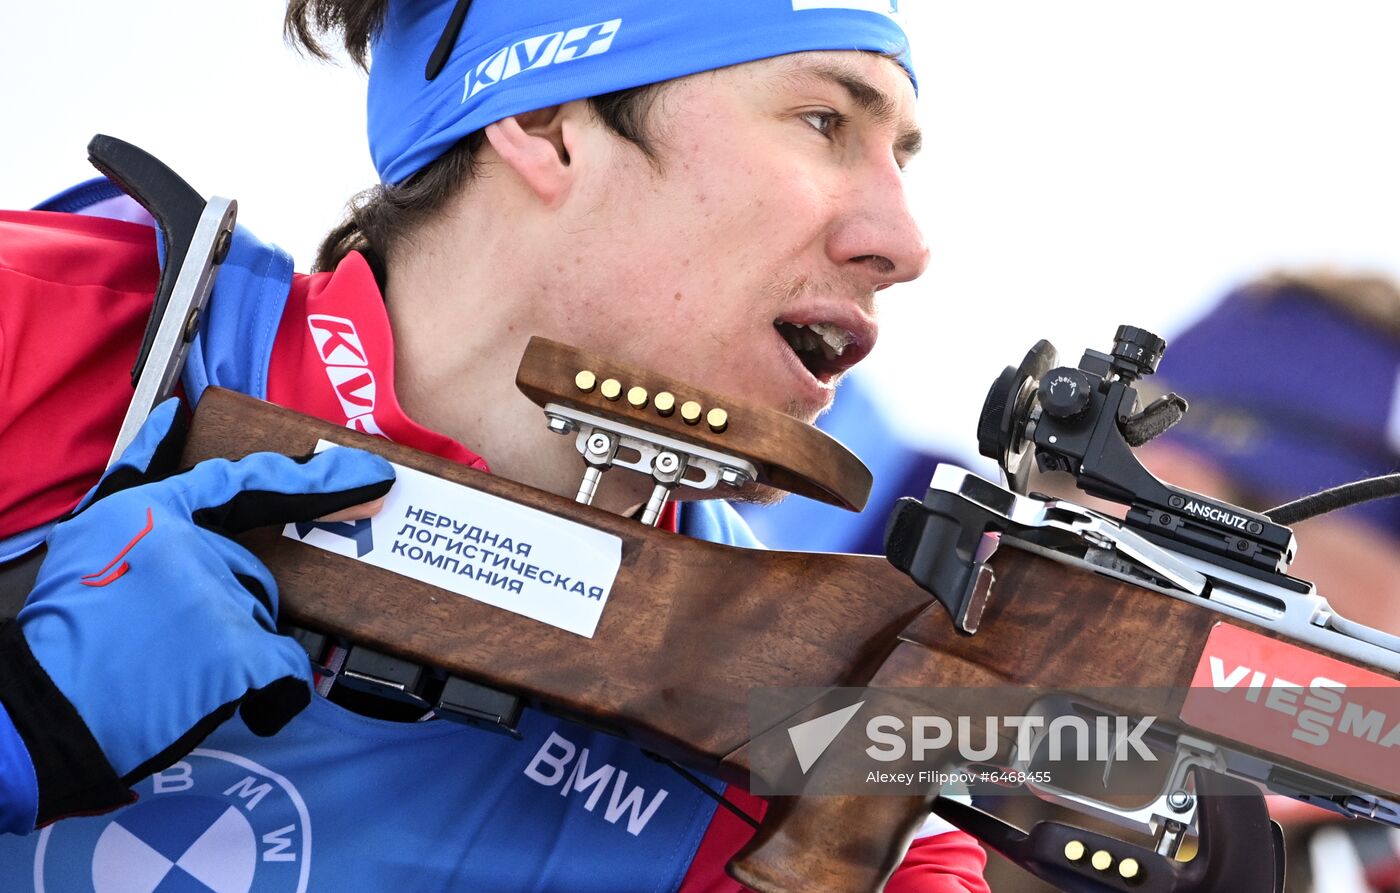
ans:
(1065, 392)
(1137, 351)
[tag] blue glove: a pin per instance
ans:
(148, 626)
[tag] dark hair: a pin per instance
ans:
(382, 215)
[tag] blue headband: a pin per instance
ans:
(515, 56)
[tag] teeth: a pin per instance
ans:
(834, 339)
(830, 339)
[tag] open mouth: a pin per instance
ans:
(824, 349)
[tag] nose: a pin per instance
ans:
(876, 235)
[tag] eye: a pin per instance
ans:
(825, 121)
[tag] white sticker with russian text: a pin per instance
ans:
(486, 548)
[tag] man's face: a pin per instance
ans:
(775, 203)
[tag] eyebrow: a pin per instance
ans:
(876, 103)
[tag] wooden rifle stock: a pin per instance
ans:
(691, 627)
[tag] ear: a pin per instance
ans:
(536, 145)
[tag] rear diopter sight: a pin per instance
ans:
(1003, 430)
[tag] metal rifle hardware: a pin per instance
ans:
(1085, 421)
(935, 541)
(1233, 826)
(197, 235)
(671, 462)
(680, 436)
(1218, 557)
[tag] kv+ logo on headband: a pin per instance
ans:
(541, 51)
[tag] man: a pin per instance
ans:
(684, 186)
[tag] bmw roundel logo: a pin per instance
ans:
(215, 822)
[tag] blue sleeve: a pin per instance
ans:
(716, 521)
(234, 346)
(19, 786)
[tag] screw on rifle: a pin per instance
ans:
(733, 476)
(667, 463)
(1241, 545)
(666, 470)
(1176, 502)
(1165, 519)
(191, 325)
(599, 443)
(1255, 528)
(560, 425)
(221, 245)
(1179, 800)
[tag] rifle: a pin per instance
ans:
(690, 628)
